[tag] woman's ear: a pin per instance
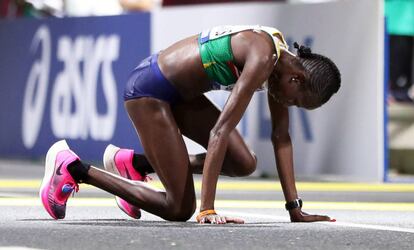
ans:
(300, 76)
(298, 80)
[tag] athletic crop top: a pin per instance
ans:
(217, 56)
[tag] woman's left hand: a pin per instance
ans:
(297, 215)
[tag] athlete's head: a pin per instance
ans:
(307, 80)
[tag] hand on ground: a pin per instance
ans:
(217, 219)
(297, 215)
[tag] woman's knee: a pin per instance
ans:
(179, 212)
(243, 166)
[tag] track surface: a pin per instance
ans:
(369, 216)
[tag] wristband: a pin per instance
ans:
(294, 204)
(204, 213)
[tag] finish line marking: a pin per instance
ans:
(342, 224)
(242, 204)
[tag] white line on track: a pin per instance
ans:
(343, 224)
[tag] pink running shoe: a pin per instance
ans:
(58, 184)
(119, 161)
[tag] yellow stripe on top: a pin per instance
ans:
(252, 185)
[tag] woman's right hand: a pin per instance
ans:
(217, 219)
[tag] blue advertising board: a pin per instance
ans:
(64, 79)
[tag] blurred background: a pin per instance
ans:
(63, 65)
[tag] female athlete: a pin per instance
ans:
(164, 100)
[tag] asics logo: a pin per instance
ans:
(70, 96)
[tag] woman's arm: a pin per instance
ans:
(217, 147)
(282, 146)
(256, 70)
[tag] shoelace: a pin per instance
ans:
(69, 188)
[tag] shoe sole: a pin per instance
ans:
(49, 170)
(109, 165)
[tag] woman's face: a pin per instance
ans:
(290, 90)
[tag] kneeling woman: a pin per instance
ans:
(164, 100)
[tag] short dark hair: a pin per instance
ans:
(324, 75)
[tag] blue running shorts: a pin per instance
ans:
(147, 80)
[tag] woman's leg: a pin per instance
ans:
(166, 152)
(195, 119)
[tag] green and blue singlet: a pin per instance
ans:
(217, 56)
